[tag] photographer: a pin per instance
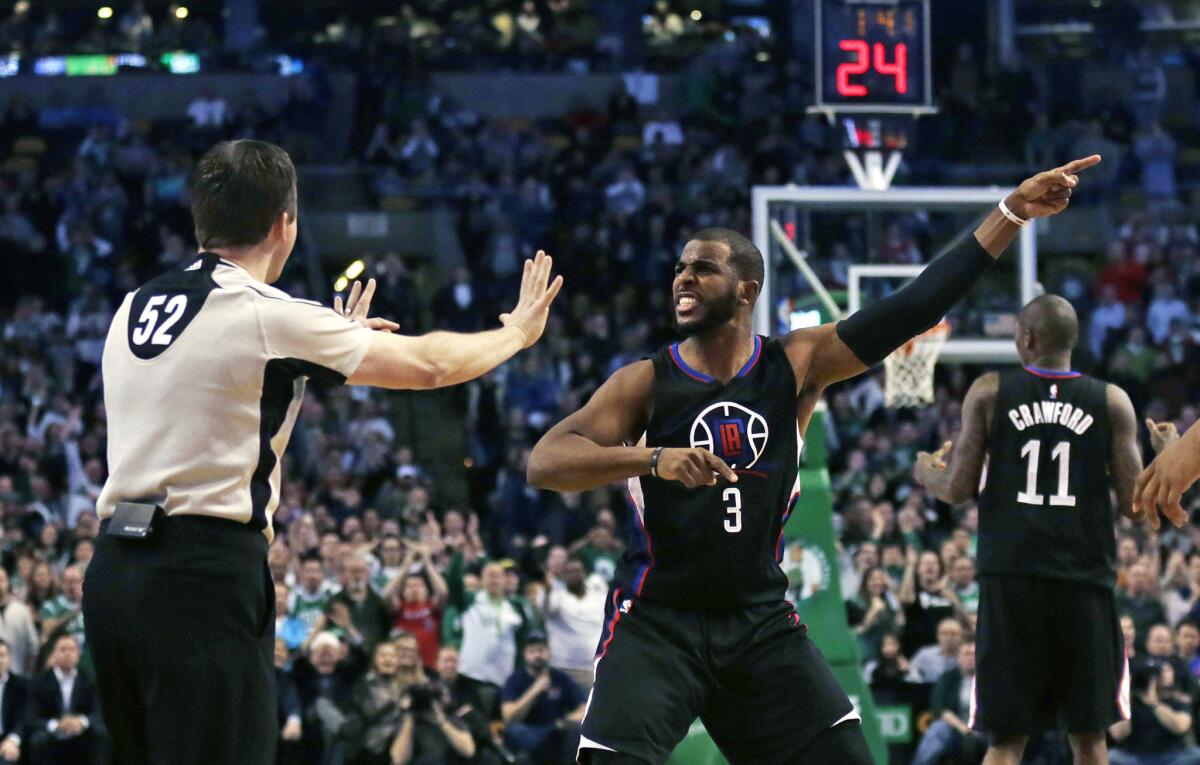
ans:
(325, 678)
(374, 713)
(542, 707)
(474, 704)
(1155, 733)
(428, 735)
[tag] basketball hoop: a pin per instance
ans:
(873, 147)
(908, 371)
(871, 171)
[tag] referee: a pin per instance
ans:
(204, 371)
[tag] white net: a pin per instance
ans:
(908, 371)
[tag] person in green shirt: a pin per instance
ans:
(64, 609)
(1134, 359)
(519, 598)
(962, 582)
(600, 549)
(310, 598)
(63, 615)
(893, 561)
(462, 585)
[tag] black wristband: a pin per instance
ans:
(884, 325)
(654, 460)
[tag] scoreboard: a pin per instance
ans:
(873, 56)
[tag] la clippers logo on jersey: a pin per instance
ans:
(1054, 392)
(732, 432)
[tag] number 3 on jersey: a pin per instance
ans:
(1062, 455)
(149, 320)
(733, 509)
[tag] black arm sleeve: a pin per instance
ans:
(883, 326)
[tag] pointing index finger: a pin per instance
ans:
(1083, 163)
(721, 467)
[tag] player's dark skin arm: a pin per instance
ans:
(820, 357)
(1125, 461)
(958, 481)
(591, 448)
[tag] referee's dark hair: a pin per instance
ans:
(239, 189)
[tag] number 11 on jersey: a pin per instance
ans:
(1062, 455)
(733, 509)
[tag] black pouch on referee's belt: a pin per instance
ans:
(133, 520)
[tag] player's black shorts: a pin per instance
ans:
(1049, 654)
(760, 686)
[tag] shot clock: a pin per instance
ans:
(873, 56)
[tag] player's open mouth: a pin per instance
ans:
(685, 302)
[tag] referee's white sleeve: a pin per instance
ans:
(298, 329)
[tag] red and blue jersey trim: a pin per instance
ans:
(1052, 374)
(695, 374)
(610, 628)
(754, 357)
(643, 572)
(699, 376)
(787, 514)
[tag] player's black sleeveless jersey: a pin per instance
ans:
(1046, 509)
(717, 546)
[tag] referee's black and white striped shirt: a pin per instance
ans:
(204, 371)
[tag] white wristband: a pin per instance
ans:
(1007, 213)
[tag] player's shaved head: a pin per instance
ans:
(743, 255)
(1052, 322)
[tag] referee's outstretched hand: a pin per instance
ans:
(358, 303)
(533, 304)
(1160, 487)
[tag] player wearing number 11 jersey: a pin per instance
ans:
(1058, 443)
(706, 433)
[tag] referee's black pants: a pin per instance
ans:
(181, 630)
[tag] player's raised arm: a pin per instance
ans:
(440, 359)
(958, 481)
(829, 353)
(590, 448)
(1125, 461)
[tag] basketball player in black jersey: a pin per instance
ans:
(1057, 443)
(707, 433)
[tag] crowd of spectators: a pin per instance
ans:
(412, 629)
(544, 35)
(32, 28)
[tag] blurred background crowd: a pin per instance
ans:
(432, 607)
